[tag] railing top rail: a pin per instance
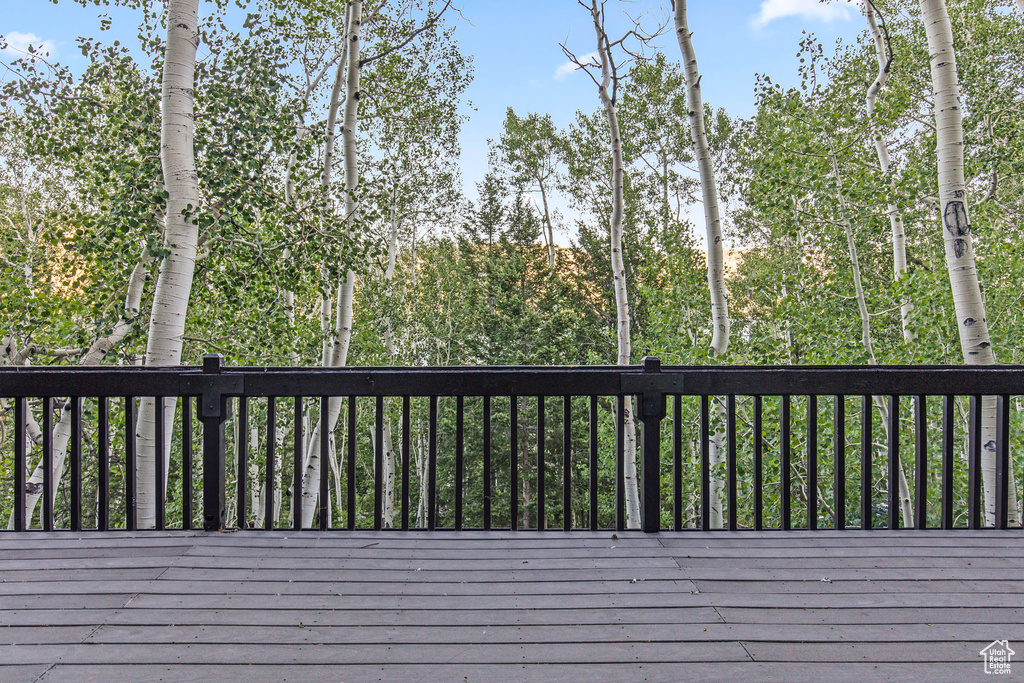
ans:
(509, 380)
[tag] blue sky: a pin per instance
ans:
(518, 61)
(517, 54)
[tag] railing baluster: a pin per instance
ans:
(1002, 492)
(298, 441)
(103, 480)
(620, 464)
(48, 464)
(460, 454)
(75, 454)
(324, 496)
(812, 462)
(513, 464)
(20, 465)
(378, 465)
(242, 473)
(677, 462)
(974, 477)
(705, 464)
(566, 463)
(350, 466)
(406, 501)
(541, 520)
(186, 462)
(785, 470)
(839, 459)
(270, 494)
(160, 459)
(920, 462)
(866, 476)
(730, 435)
(593, 464)
(131, 517)
(948, 454)
(487, 462)
(758, 464)
(432, 467)
(893, 449)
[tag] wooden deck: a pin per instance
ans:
(475, 606)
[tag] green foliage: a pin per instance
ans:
(81, 201)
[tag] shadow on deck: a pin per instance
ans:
(485, 606)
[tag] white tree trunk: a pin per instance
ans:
(713, 230)
(899, 240)
(618, 265)
(975, 342)
(254, 475)
(421, 473)
(388, 474)
(716, 458)
(277, 499)
(709, 190)
(332, 453)
(181, 235)
(343, 336)
(389, 345)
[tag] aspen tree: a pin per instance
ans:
(899, 238)
(972, 323)
(339, 341)
(181, 236)
(336, 354)
(607, 87)
(713, 230)
(709, 189)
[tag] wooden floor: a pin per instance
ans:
(497, 606)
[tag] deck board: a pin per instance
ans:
(501, 605)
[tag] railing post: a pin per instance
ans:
(213, 413)
(213, 388)
(652, 412)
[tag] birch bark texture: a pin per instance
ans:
(972, 324)
(622, 321)
(899, 238)
(181, 235)
(708, 186)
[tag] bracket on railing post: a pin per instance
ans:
(213, 388)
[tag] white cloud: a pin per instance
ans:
(806, 9)
(17, 45)
(567, 68)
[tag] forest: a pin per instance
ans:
(295, 199)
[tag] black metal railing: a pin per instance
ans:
(742, 445)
